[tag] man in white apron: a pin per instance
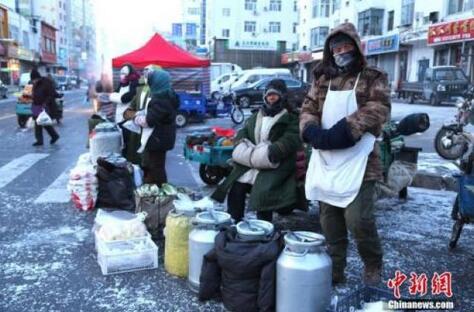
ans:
(341, 118)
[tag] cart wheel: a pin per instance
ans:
(211, 175)
(181, 119)
(237, 115)
(457, 228)
(22, 119)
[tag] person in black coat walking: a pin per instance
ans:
(44, 98)
(159, 120)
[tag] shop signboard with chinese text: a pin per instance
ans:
(386, 44)
(455, 31)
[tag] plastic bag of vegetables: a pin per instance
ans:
(113, 228)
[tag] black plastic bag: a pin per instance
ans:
(116, 186)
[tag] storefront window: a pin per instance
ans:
(443, 57)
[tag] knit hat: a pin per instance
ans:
(338, 39)
(159, 81)
(276, 86)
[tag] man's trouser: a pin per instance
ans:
(359, 219)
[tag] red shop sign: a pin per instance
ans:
(461, 30)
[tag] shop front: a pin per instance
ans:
(301, 63)
(384, 52)
(453, 43)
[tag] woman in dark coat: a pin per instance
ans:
(161, 118)
(44, 98)
(269, 174)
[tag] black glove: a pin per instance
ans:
(274, 154)
(337, 137)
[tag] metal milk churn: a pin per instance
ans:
(254, 230)
(304, 274)
(201, 241)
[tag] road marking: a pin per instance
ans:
(57, 191)
(7, 116)
(17, 167)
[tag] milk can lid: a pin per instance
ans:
(254, 227)
(304, 239)
(212, 217)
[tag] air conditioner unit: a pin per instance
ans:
(265, 9)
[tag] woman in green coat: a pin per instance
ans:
(264, 159)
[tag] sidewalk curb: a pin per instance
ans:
(434, 181)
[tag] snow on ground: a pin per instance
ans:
(433, 163)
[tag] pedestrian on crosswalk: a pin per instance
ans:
(44, 98)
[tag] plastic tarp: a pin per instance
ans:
(160, 52)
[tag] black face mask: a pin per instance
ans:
(345, 60)
(273, 109)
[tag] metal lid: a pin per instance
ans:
(254, 227)
(304, 239)
(212, 217)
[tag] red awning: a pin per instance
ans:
(158, 51)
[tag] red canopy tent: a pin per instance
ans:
(160, 52)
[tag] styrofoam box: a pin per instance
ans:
(127, 256)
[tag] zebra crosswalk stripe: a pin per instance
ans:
(57, 191)
(16, 167)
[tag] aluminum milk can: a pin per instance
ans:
(201, 241)
(304, 274)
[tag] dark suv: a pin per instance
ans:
(253, 94)
(440, 84)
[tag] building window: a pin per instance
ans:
(456, 6)
(321, 8)
(408, 7)
(275, 27)
(26, 39)
(250, 5)
(225, 33)
(336, 5)
(390, 20)
(191, 30)
(226, 12)
(295, 5)
(370, 22)
(250, 26)
(295, 27)
(318, 36)
(275, 5)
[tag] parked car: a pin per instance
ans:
(253, 94)
(219, 69)
(3, 90)
(251, 76)
(62, 82)
(73, 82)
(222, 83)
(440, 84)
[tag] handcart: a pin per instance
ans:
(213, 151)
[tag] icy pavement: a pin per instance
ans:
(49, 263)
(432, 163)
